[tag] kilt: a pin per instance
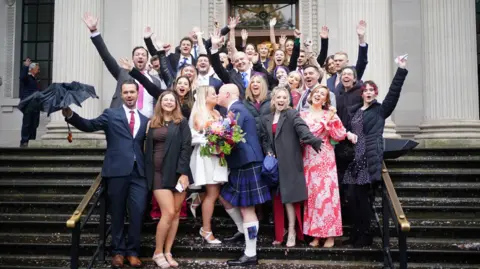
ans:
(245, 186)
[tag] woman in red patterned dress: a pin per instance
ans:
(322, 215)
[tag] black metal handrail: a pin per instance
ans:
(95, 198)
(392, 209)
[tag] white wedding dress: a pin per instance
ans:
(205, 170)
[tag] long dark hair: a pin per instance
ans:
(188, 98)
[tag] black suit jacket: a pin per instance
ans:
(176, 155)
(117, 72)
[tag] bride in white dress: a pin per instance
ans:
(206, 171)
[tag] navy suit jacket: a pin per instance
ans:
(122, 149)
(216, 83)
(360, 67)
(250, 151)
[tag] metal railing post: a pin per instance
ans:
(75, 248)
(103, 225)
(402, 248)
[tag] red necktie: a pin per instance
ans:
(132, 121)
(140, 95)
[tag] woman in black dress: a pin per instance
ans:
(167, 159)
(364, 172)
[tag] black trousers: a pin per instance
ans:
(127, 192)
(30, 121)
(358, 202)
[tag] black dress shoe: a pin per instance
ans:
(237, 237)
(243, 261)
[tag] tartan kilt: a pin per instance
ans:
(245, 186)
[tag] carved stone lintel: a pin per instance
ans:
(10, 2)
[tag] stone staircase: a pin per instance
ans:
(40, 188)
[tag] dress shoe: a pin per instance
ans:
(134, 262)
(237, 237)
(243, 261)
(117, 261)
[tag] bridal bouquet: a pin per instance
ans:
(222, 136)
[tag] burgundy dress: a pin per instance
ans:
(159, 138)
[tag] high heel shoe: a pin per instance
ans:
(207, 235)
(193, 204)
(160, 260)
(291, 239)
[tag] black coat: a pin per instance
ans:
(264, 110)
(176, 158)
(291, 130)
(374, 122)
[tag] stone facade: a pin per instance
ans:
(434, 108)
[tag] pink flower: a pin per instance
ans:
(217, 128)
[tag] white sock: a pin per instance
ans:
(236, 216)
(250, 244)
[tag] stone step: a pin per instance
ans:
(437, 189)
(431, 228)
(434, 175)
(52, 161)
(59, 171)
(45, 186)
(32, 151)
(61, 262)
(420, 250)
(434, 162)
(444, 152)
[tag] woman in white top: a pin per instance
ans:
(206, 171)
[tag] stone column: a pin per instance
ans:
(450, 84)
(162, 16)
(377, 15)
(75, 59)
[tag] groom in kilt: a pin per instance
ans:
(245, 187)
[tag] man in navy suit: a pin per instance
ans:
(123, 169)
(245, 187)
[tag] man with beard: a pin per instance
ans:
(206, 75)
(311, 75)
(145, 102)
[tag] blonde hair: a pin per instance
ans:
(263, 89)
(274, 93)
(158, 118)
(194, 80)
(199, 108)
(300, 82)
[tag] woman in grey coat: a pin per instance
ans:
(282, 133)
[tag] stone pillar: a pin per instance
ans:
(162, 16)
(377, 15)
(450, 84)
(75, 59)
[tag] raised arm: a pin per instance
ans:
(232, 24)
(102, 49)
(147, 37)
(322, 56)
(208, 43)
(362, 59)
(273, 21)
(90, 126)
(222, 73)
(24, 71)
(164, 71)
(292, 66)
(391, 99)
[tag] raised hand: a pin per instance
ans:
(90, 21)
(126, 64)
(255, 58)
(27, 62)
(166, 47)
(67, 112)
(216, 38)
(362, 25)
(324, 32)
(244, 34)
(273, 21)
(283, 40)
(199, 35)
(232, 22)
(402, 61)
(297, 33)
(331, 112)
(148, 32)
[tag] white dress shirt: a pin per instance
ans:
(180, 61)
(136, 116)
(148, 101)
(203, 80)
